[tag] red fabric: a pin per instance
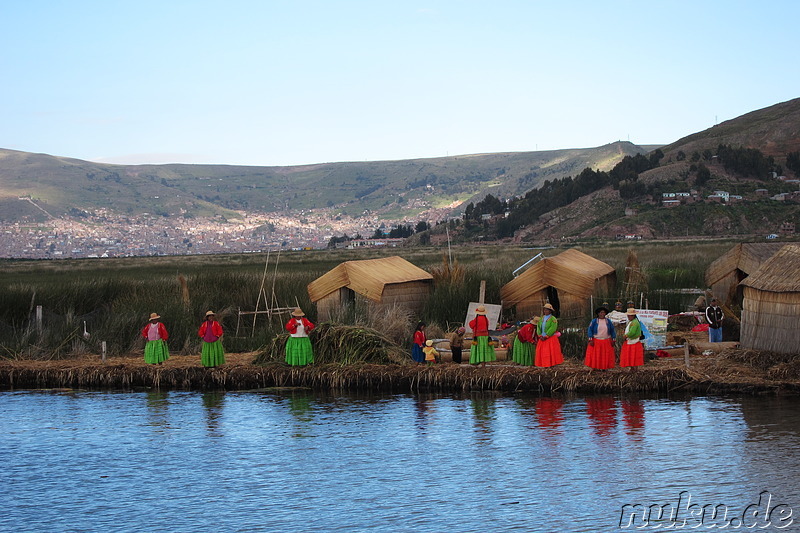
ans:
(662, 353)
(216, 329)
(525, 333)
(162, 331)
(419, 338)
(291, 326)
(600, 356)
(700, 327)
(548, 352)
(479, 326)
(631, 355)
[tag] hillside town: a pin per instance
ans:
(104, 234)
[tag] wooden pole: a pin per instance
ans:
(686, 352)
(103, 348)
(482, 294)
(39, 319)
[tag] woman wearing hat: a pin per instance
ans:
(600, 351)
(298, 345)
(155, 335)
(548, 349)
(480, 352)
(632, 353)
(524, 343)
(212, 354)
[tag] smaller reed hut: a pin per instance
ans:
(567, 281)
(380, 282)
(724, 275)
(771, 305)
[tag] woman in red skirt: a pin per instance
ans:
(600, 352)
(632, 353)
(548, 349)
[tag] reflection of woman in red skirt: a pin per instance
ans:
(548, 349)
(632, 353)
(600, 351)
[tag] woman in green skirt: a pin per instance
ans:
(524, 344)
(213, 354)
(298, 346)
(480, 352)
(155, 336)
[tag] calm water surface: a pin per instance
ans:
(296, 461)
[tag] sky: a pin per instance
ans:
(275, 83)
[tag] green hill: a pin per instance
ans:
(62, 186)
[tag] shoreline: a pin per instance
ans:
(705, 375)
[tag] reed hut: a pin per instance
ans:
(725, 274)
(771, 305)
(567, 281)
(388, 281)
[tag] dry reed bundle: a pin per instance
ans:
(448, 272)
(759, 359)
(336, 343)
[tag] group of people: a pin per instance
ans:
(537, 341)
(298, 346)
(600, 352)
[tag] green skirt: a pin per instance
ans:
(522, 353)
(481, 351)
(155, 352)
(213, 354)
(298, 351)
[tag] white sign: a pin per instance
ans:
(655, 322)
(492, 313)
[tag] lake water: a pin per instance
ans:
(299, 461)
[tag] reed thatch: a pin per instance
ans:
(573, 275)
(771, 304)
(386, 281)
(725, 273)
(705, 375)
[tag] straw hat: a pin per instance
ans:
(630, 311)
(298, 312)
(480, 310)
(536, 319)
(428, 342)
(550, 307)
(154, 316)
(210, 313)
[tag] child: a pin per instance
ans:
(430, 352)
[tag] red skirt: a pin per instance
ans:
(601, 355)
(548, 352)
(631, 355)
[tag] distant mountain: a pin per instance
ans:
(38, 186)
(753, 202)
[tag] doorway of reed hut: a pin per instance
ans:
(552, 299)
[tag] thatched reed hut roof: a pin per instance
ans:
(746, 257)
(771, 305)
(367, 277)
(571, 271)
(779, 273)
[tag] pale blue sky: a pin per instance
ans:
(296, 82)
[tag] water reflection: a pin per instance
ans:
(214, 403)
(550, 414)
(602, 413)
(400, 463)
(483, 413)
(633, 417)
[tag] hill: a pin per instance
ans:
(736, 178)
(38, 186)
